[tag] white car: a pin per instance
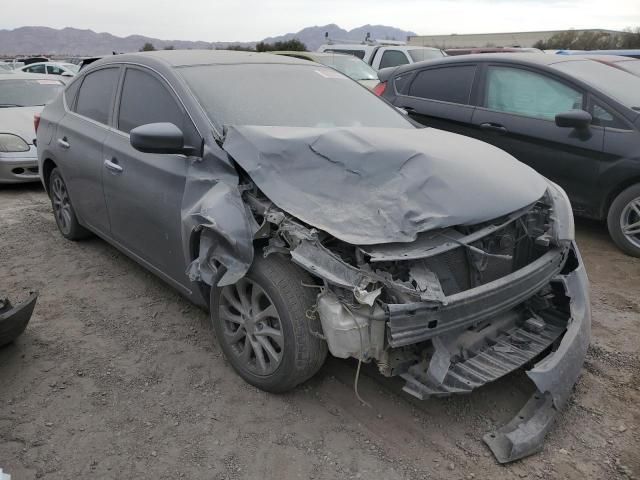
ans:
(22, 96)
(383, 54)
(51, 68)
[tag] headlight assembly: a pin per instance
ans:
(12, 143)
(563, 227)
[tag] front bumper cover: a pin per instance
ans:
(554, 377)
(14, 319)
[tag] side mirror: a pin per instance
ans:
(159, 138)
(578, 119)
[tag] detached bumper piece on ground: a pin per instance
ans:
(14, 319)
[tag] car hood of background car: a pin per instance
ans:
(19, 121)
(379, 185)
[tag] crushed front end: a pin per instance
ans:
(456, 308)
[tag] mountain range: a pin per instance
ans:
(74, 41)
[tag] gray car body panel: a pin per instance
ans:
(379, 185)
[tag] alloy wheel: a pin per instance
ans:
(630, 221)
(61, 204)
(251, 326)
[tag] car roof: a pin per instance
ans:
(27, 76)
(522, 58)
(186, 58)
(313, 54)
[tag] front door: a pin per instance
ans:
(517, 114)
(144, 191)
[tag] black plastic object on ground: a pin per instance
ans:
(14, 320)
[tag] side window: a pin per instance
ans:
(146, 100)
(401, 83)
(603, 117)
(54, 70)
(393, 58)
(71, 92)
(36, 69)
(527, 93)
(96, 94)
(449, 84)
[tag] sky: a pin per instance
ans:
(247, 20)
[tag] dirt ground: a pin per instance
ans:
(117, 376)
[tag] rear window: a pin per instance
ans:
(28, 93)
(446, 84)
(96, 94)
(422, 54)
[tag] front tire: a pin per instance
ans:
(623, 221)
(262, 326)
(63, 210)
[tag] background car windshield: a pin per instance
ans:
(620, 85)
(350, 66)
(28, 93)
(287, 95)
(420, 54)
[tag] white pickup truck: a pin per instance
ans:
(383, 55)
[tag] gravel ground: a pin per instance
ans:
(117, 376)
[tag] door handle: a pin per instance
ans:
(63, 142)
(113, 165)
(493, 127)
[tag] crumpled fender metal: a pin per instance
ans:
(212, 207)
(14, 319)
(554, 377)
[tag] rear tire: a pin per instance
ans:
(623, 221)
(262, 326)
(63, 210)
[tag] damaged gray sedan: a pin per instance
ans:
(308, 215)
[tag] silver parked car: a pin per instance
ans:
(22, 96)
(308, 215)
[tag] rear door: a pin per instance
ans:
(517, 114)
(439, 96)
(144, 191)
(79, 141)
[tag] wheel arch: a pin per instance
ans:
(615, 191)
(47, 167)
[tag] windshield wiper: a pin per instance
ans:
(8, 105)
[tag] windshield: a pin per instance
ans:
(618, 84)
(5, 67)
(287, 96)
(351, 66)
(28, 93)
(420, 54)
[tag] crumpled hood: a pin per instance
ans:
(377, 185)
(19, 121)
